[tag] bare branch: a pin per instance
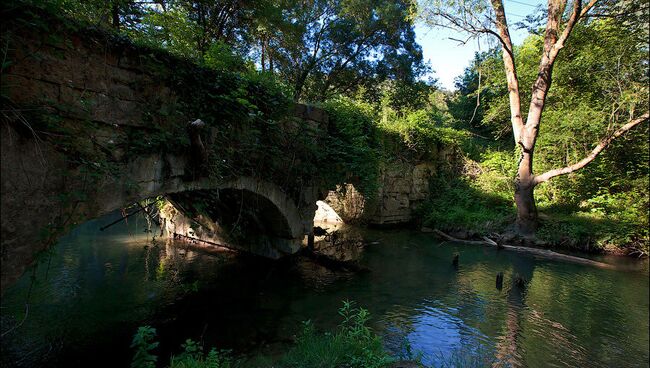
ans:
(599, 148)
(588, 7)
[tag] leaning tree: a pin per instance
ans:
(477, 17)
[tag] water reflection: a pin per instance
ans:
(100, 286)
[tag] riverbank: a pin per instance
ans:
(478, 202)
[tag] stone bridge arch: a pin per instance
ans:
(245, 213)
(190, 214)
(108, 127)
(31, 189)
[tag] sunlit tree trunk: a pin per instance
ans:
(525, 135)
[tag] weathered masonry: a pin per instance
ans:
(94, 123)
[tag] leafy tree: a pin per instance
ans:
(478, 17)
(325, 47)
(320, 47)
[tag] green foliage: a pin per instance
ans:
(172, 30)
(220, 56)
(423, 130)
(193, 357)
(354, 344)
(143, 344)
(352, 145)
(362, 137)
(603, 221)
(325, 47)
(462, 203)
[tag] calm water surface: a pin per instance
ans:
(85, 300)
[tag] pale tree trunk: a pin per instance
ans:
(525, 135)
(263, 44)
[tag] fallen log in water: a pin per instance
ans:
(544, 253)
(332, 263)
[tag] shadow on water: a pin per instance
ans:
(101, 286)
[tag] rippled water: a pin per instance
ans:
(86, 299)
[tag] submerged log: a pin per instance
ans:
(544, 253)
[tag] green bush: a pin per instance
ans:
(354, 344)
(193, 357)
(143, 344)
(421, 130)
(352, 145)
(462, 203)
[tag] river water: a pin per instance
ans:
(86, 298)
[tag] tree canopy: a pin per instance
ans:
(321, 48)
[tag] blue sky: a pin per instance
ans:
(448, 58)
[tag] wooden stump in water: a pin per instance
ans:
(500, 280)
(455, 260)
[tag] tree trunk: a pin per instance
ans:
(115, 15)
(526, 208)
(525, 181)
(299, 85)
(263, 54)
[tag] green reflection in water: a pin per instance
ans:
(101, 285)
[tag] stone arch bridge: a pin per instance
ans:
(92, 123)
(73, 101)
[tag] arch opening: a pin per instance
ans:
(232, 217)
(234, 211)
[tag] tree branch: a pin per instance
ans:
(573, 19)
(577, 13)
(511, 71)
(588, 7)
(599, 148)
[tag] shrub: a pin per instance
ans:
(352, 145)
(193, 357)
(143, 344)
(354, 344)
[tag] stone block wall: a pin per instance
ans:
(403, 187)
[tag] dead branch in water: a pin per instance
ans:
(544, 253)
